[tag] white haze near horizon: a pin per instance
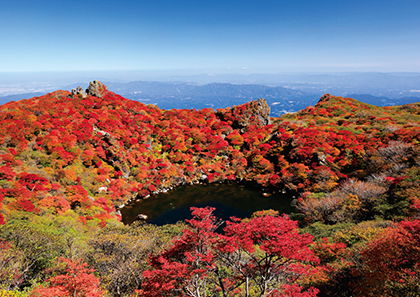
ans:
(13, 83)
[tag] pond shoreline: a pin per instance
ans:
(241, 198)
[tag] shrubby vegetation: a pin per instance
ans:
(67, 162)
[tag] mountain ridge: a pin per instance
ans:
(122, 140)
(70, 160)
(282, 98)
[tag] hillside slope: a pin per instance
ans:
(96, 151)
(68, 161)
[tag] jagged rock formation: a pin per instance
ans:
(79, 92)
(258, 109)
(256, 112)
(96, 88)
(324, 98)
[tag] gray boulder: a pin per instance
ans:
(96, 88)
(79, 92)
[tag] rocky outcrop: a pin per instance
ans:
(260, 110)
(96, 88)
(79, 92)
(324, 98)
(256, 112)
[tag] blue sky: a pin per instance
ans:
(257, 36)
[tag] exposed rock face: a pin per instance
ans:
(78, 92)
(325, 98)
(256, 112)
(260, 110)
(96, 88)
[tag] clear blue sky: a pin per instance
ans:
(260, 35)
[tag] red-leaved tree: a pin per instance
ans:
(390, 264)
(264, 256)
(75, 280)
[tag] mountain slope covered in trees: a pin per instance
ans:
(69, 160)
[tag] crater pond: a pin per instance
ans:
(228, 199)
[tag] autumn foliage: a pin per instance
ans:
(265, 255)
(76, 279)
(390, 264)
(73, 159)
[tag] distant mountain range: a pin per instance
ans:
(215, 95)
(18, 97)
(191, 95)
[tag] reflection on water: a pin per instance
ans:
(228, 199)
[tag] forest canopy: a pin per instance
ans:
(69, 160)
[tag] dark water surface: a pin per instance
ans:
(228, 199)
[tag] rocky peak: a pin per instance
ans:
(256, 112)
(261, 110)
(79, 92)
(325, 98)
(96, 88)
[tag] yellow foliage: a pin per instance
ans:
(359, 233)
(49, 171)
(352, 203)
(6, 293)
